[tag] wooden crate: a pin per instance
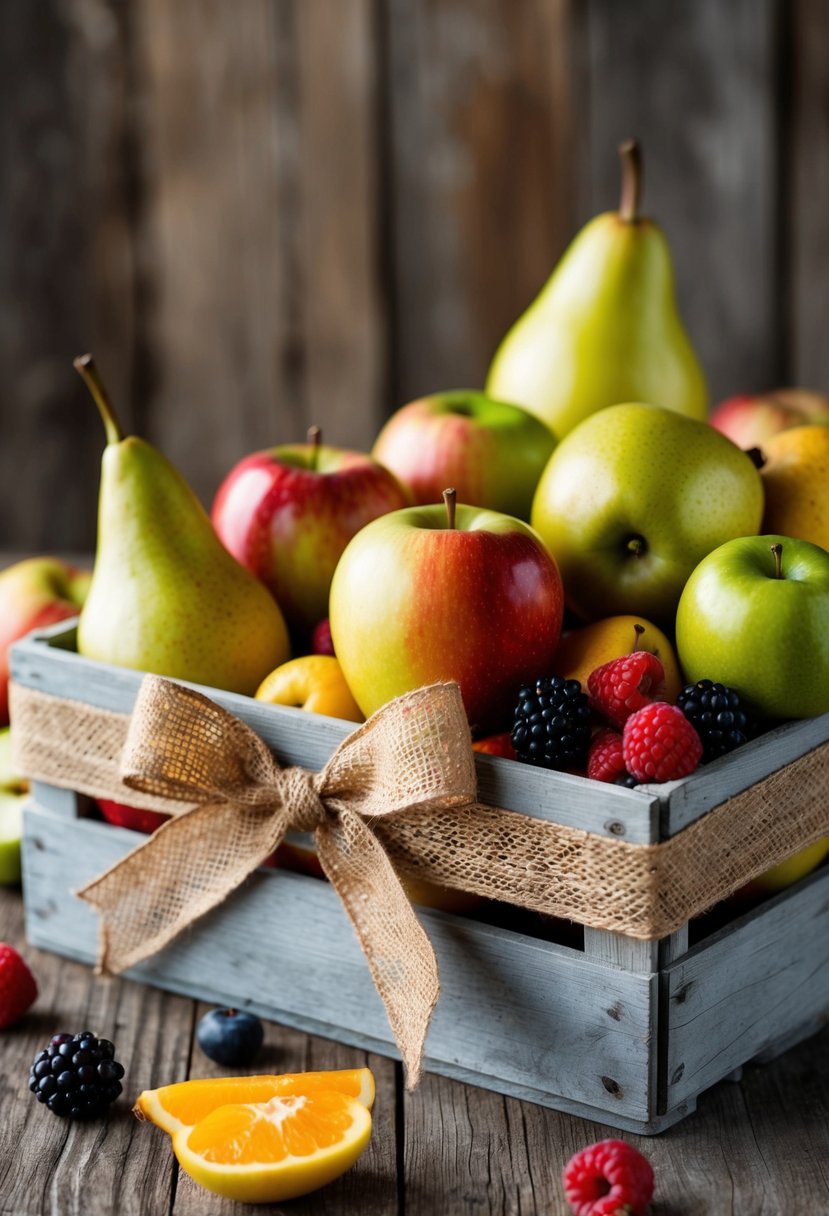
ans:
(586, 1021)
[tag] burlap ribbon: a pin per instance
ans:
(645, 891)
(413, 753)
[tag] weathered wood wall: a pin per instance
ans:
(268, 213)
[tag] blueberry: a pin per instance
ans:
(230, 1036)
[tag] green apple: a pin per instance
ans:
(419, 597)
(492, 453)
(632, 499)
(12, 794)
(755, 615)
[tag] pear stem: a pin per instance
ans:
(632, 180)
(638, 630)
(777, 550)
(450, 497)
(314, 437)
(85, 364)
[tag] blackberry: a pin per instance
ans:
(717, 715)
(552, 723)
(76, 1075)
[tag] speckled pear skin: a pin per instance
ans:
(631, 501)
(604, 329)
(166, 596)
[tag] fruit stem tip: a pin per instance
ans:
(450, 499)
(632, 180)
(777, 550)
(85, 365)
(314, 437)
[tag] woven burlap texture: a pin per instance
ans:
(646, 891)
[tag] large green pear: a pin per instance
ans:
(605, 327)
(633, 499)
(166, 596)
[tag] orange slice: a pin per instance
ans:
(264, 1152)
(186, 1103)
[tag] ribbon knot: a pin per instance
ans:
(299, 792)
(413, 754)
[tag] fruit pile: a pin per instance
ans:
(508, 539)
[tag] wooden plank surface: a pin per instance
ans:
(695, 81)
(756, 1148)
(483, 150)
(546, 1018)
(759, 980)
(806, 168)
(66, 263)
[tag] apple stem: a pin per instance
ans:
(777, 550)
(638, 630)
(450, 497)
(314, 437)
(636, 546)
(85, 364)
(632, 180)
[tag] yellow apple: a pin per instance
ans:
(584, 649)
(313, 682)
(796, 484)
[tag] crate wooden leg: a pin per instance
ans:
(634, 955)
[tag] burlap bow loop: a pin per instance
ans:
(413, 753)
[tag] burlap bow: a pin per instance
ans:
(413, 753)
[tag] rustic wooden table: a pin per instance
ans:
(758, 1147)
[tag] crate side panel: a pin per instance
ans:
(713, 784)
(309, 739)
(752, 984)
(513, 1010)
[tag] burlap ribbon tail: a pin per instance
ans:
(182, 746)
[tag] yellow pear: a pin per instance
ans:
(583, 650)
(796, 484)
(166, 596)
(605, 327)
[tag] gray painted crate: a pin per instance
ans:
(623, 1031)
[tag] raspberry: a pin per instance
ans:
(605, 760)
(610, 1178)
(76, 1075)
(618, 688)
(18, 988)
(660, 744)
(717, 715)
(552, 724)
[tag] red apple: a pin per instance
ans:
(420, 596)
(34, 593)
(132, 817)
(750, 420)
(321, 638)
(496, 745)
(288, 513)
(492, 453)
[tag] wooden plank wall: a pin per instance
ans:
(265, 214)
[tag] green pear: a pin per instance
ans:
(166, 596)
(633, 499)
(605, 327)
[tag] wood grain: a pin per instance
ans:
(699, 91)
(756, 981)
(756, 1147)
(66, 273)
(547, 1018)
(805, 187)
(482, 131)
